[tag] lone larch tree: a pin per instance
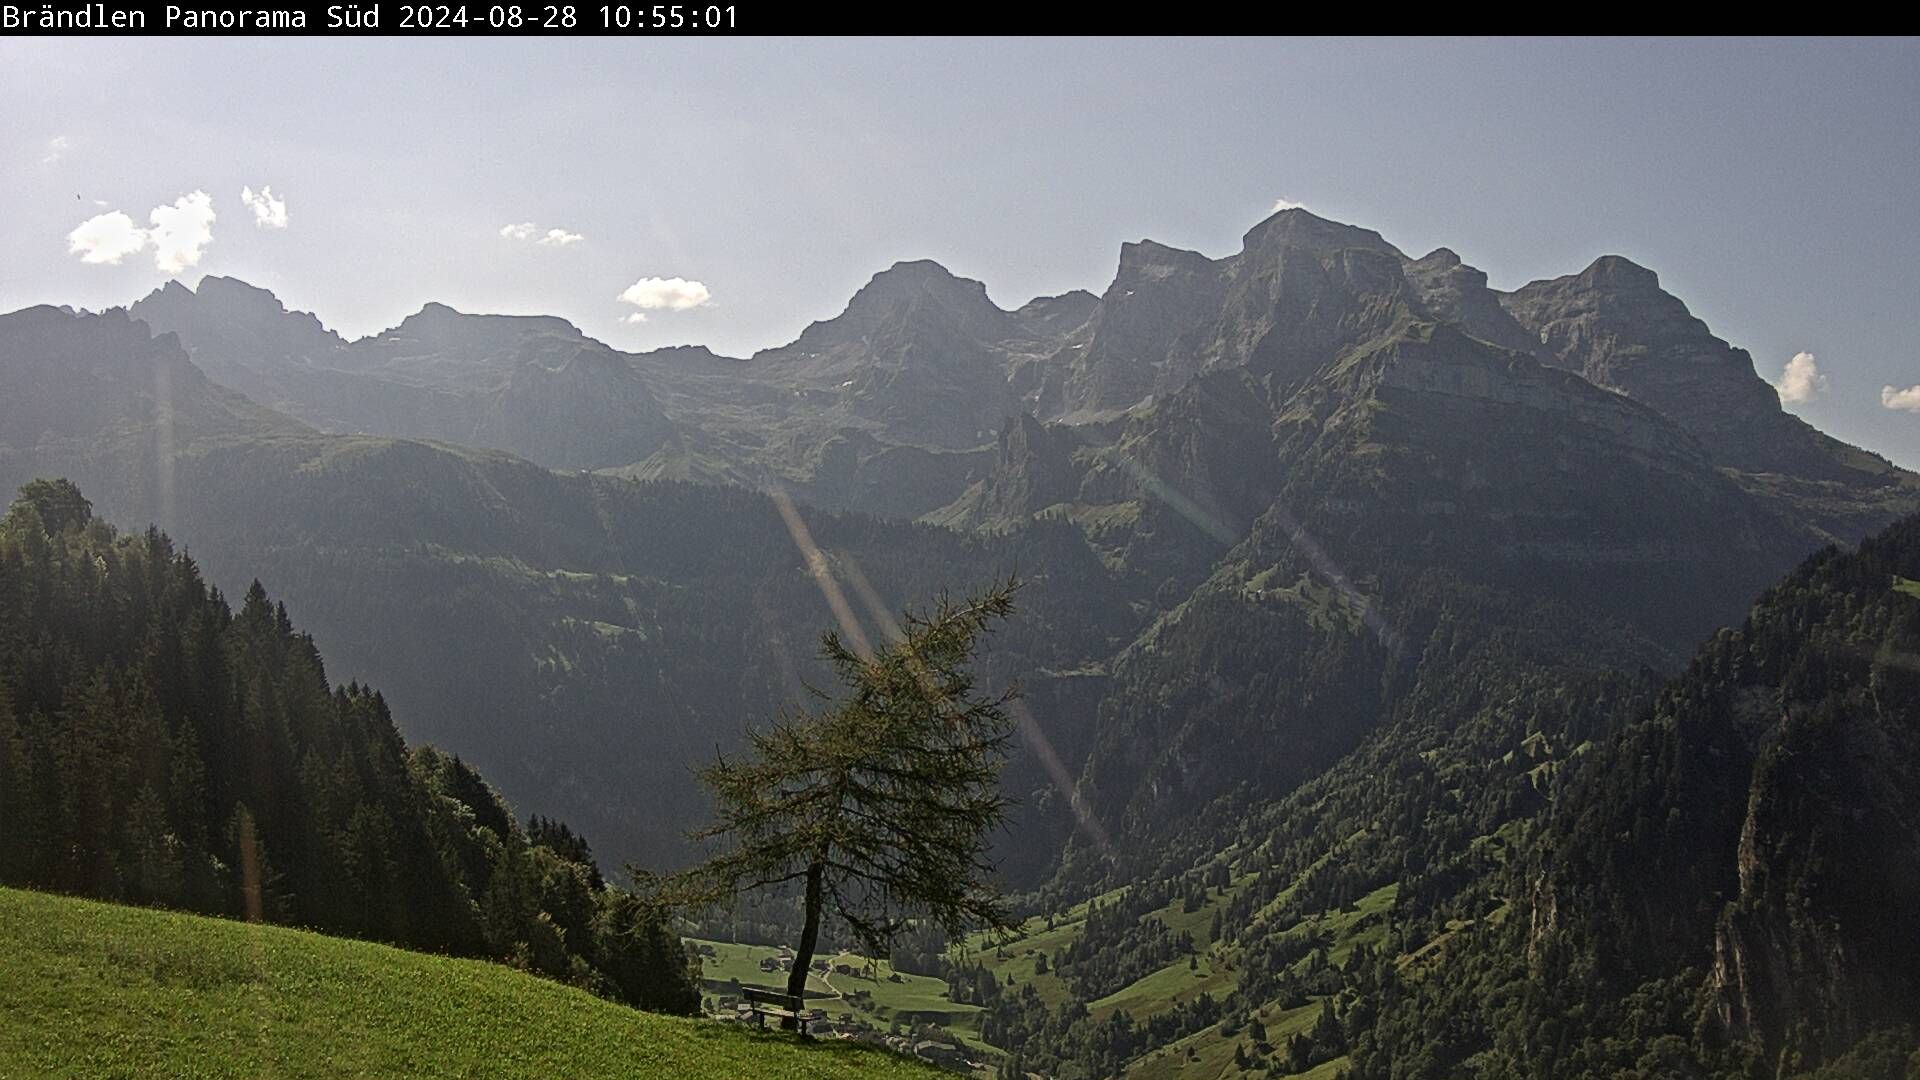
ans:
(878, 804)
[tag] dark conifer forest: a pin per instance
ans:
(160, 747)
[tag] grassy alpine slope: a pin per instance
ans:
(99, 990)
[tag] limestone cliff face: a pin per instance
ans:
(1757, 835)
(1033, 470)
(1444, 365)
(1818, 946)
(531, 385)
(1453, 292)
(919, 356)
(1303, 290)
(1426, 455)
(1299, 291)
(573, 405)
(1058, 316)
(1149, 333)
(922, 365)
(1613, 324)
(67, 376)
(1161, 490)
(1475, 457)
(242, 336)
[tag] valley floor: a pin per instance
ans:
(881, 999)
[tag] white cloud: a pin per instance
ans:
(666, 294)
(635, 319)
(57, 148)
(528, 231)
(1286, 204)
(1907, 400)
(1801, 380)
(106, 238)
(181, 232)
(268, 212)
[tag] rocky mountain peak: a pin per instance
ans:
(1443, 262)
(912, 274)
(1053, 316)
(113, 325)
(922, 281)
(1298, 228)
(1619, 295)
(690, 356)
(1152, 259)
(227, 320)
(441, 324)
(220, 289)
(1453, 291)
(919, 293)
(1615, 326)
(1617, 272)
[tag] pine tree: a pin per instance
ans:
(152, 866)
(58, 503)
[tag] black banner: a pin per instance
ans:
(539, 18)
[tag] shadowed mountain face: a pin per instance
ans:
(1453, 292)
(1300, 289)
(895, 405)
(1615, 326)
(1428, 478)
(1303, 294)
(534, 386)
(1305, 436)
(101, 394)
(919, 355)
(66, 376)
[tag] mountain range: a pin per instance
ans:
(1309, 514)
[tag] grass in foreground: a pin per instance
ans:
(97, 990)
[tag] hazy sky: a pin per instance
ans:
(1771, 184)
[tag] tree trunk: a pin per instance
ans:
(809, 939)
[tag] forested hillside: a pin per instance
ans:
(1598, 876)
(159, 747)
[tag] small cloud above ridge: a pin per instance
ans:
(1801, 380)
(1907, 400)
(178, 234)
(666, 294)
(268, 212)
(529, 232)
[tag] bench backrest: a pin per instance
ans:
(771, 997)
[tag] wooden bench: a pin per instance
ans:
(777, 1003)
